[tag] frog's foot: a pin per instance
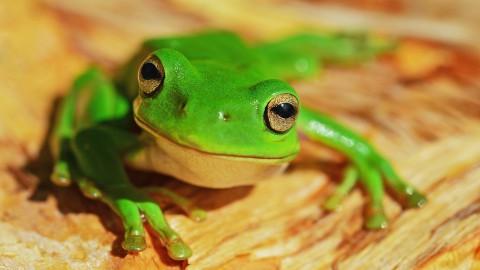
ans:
(372, 171)
(130, 203)
(134, 241)
(411, 198)
(178, 250)
(99, 160)
(195, 213)
(333, 202)
(416, 199)
(61, 174)
(370, 176)
(406, 194)
(350, 178)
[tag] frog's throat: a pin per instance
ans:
(261, 159)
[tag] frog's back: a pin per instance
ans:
(220, 46)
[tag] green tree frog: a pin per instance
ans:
(214, 112)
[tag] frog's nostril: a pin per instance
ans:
(224, 116)
(182, 108)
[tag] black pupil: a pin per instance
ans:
(150, 72)
(284, 110)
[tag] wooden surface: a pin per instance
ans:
(420, 107)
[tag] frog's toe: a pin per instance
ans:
(415, 199)
(89, 190)
(134, 243)
(61, 174)
(178, 250)
(333, 203)
(198, 214)
(350, 177)
(92, 193)
(376, 221)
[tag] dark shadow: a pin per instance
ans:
(197, 195)
(71, 200)
(334, 170)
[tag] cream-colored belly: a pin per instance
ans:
(203, 169)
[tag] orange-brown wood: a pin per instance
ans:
(419, 106)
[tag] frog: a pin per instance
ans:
(214, 111)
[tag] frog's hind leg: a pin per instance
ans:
(98, 157)
(303, 55)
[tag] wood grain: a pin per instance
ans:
(419, 106)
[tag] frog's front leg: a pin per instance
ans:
(98, 157)
(367, 166)
(89, 139)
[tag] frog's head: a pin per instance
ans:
(217, 109)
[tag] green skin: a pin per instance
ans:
(210, 90)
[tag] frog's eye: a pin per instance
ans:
(150, 76)
(281, 113)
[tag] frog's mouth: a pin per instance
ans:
(145, 126)
(155, 133)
